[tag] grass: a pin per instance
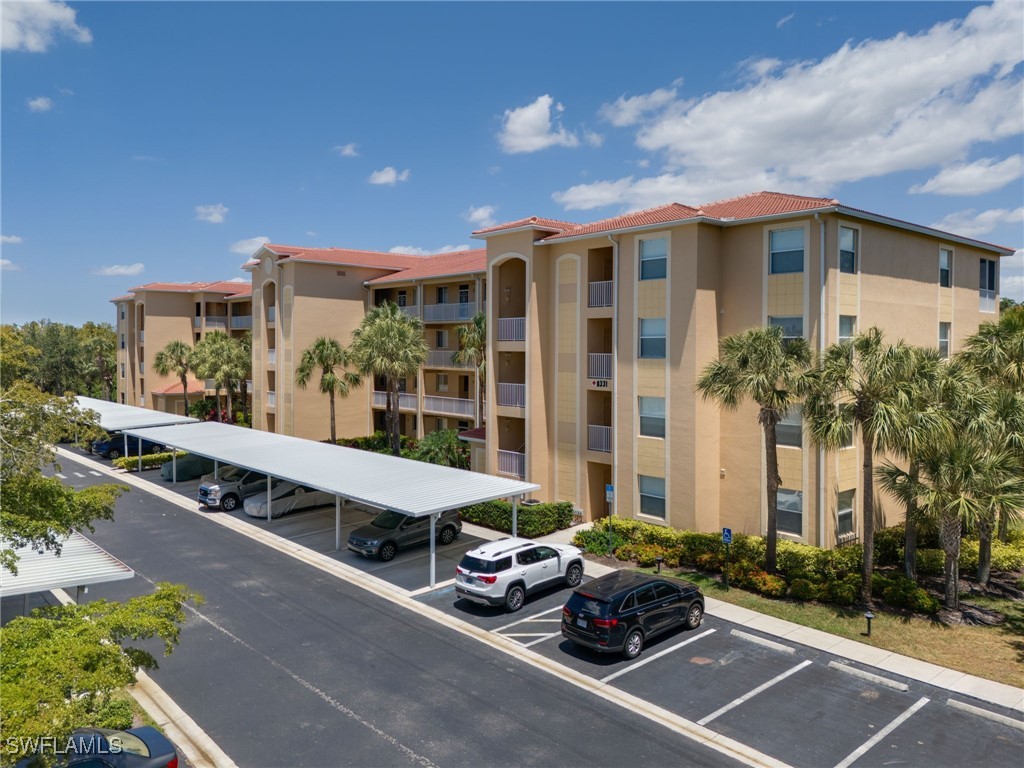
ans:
(994, 653)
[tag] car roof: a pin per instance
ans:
(501, 547)
(612, 584)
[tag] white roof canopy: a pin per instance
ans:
(388, 482)
(115, 417)
(80, 563)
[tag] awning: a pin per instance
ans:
(80, 563)
(115, 417)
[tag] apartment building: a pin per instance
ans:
(598, 333)
(152, 315)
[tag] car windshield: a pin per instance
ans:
(231, 473)
(479, 565)
(126, 742)
(389, 520)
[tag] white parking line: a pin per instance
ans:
(62, 477)
(78, 474)
(528, 618)
(863, 748)
(658, 655)
(736, 702)
(528, 634)
(542, 639)
(94, 472)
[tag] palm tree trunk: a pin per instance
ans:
(772, 482)
(1004, 529)
(229, 416)
(867, 478)
(334, 435)
(949, 532)
(394, 400)
(184, 390)
(984, 550)
(910, 536)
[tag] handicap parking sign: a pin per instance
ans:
(727, 535)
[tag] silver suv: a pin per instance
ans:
(232, 486)
(505, 571)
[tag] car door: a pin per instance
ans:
(548, 565)
(415, 530)
(648, 610)
(671, 610)
(251, 482)
(528, 567)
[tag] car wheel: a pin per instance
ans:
(447, 535)
(228, 503)
(694, 616)
(634, 644)
(514, 598)
(113, 453)
(574, 575)
(387, 551)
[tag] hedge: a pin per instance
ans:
(533, 519)
(149, 461)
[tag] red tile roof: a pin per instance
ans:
(194, 388)
(477, 433)
(227, 287)
(661, 215)
(355, 258)
(536, 222)
(455, 263)
(764, 204)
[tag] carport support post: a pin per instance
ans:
(515, 515)
(337, 523)
(268, 498)
(125, 436)
(140, 451)
(433, 545)
(216, 470)
(174, 466)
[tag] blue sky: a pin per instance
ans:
(161, 141)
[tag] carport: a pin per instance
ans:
(413, 488)
(115, 417)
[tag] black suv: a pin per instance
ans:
(621, 611)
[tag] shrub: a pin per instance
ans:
(844, 591)
(766, 584)
(1009, 556)
(803, 589)
(889, 545)
(115, 714)
(797, 561)
(645, 555)
(900, 592)
(931, 562)
(149, 461)
(710, 561)
(378, 442)
(534, 520)
(595, 541)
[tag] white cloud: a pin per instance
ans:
(11, 239)
(389, 176)
(310, 233)
(8, 266)
(249, 246)
(871, 108)
(969, 223)
(65, 92)
(1011, 276)
(412, 250)
(40, 104)
(757, 68)
(784, 20)
(529, 128)
(630, 110)
(346, 150)
(34, 26)
(977, 178)
(121, 270)
(481, 217)
(240, 280)
(212, 213)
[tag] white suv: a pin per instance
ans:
(503, 572)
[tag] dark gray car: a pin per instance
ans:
(391, 531)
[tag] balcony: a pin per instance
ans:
(241, 322)
(197, 322)
(442, 358)
(272, 314)
(406, 401)
(271, 399)
(512, 395)
(248, 386)
(142, 367)
(210, 384)
(511, 329)
(512, 463)
(599, 365)
(216, 322)
(447, 313)
(271, 357)
(599, 438)
(987, 300)
(602, 294)
(450, 406)
(142, 336)
(412, 310)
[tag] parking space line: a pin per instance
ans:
(658, 655)
(542, 639)
(745, 697)
(994, 716)
(869, 676)
(78, 474)
(94, 472)
(526, 634)
(62, 477)
(428, 588)
(863, 748)
(764, 641)
(528, 618)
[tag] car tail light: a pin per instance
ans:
(605, 623)
(173, 763)
(486, 579)
(566, 612)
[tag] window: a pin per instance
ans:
(844, 513)
(122, 370)
(402, 383)
(645, 596)
(789, 431)
(403, 298)
(945, 267)
(652, 416)
(439, 424)
(787, 251)
(652, 495)
(848, 250)
(122, 398)
(653, 259)
(944, 339)
(847, 327)
(441, 337)
(122, 312)
(790, 508)
(792, 327)
(122, 341)
(987, 285)
(442, 294)
(442, 382)
(463, 294)
(463, 426)
(652, 337)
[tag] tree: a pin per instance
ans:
(389, 344)
(176, 359)
(758, 364)
(61, 665)
(862, 384)
(98, 342)
(57, 370)
(223, 359)
(17, 357)
(473, 351)
(444, 448)
(327, 355)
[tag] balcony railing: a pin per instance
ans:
(248, 386)
(380, 399)
(142, 336)
(197, 322)
(599, 365)
(599, 438)
(602, 294)
(987, 300)
(512, 395)
(210, 384)
(271, 399)
(451, 406)
(442, 358)
(412, 310)
(511, 329)
(272, 356)
(271, 314)
(406, 401)
(216, 322)
(241, 322)
(142, 367)
(512, 463)
(441, 313)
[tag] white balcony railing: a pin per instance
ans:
(599, 438)
(272, 356)
(441, 313)
(380, 399)
(599, 365)
(602, 294)
(210, 384)
(197, 322)
(216, 322)
(452, 406)
(987, 301)
(248, 386)
(512, 395)
(442, 358)
(142, 336)
(271, 399)
(142, 367)
(511, 329)
(271, 314)
(411, 310)
(512, 463)
(407, 402)
(241, 322)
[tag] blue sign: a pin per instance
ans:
(609, 493)
(727, 535)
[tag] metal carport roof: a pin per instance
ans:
(115, 417)
(80, 563)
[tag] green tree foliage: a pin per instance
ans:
(226, 360)
(443, 447)
(61, 665)
(176, 359)
(99, 359)
(17, 357)
(473, 351)
(331, 359)
(59, 358)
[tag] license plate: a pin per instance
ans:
(581, 622)
(468, 579)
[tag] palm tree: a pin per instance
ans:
(758, 364)
(473, 351)
(177, 359)
(389, 343)
(327, 355)
(223, 359)
(444, 448)
(860, 384)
